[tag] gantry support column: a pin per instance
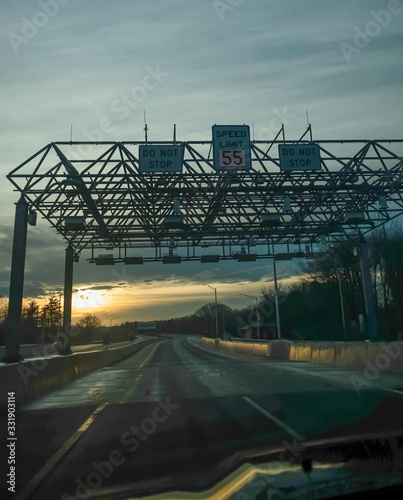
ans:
(68, 293)
(372, 323)
(276, 301)
(13, 330)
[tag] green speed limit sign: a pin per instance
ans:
(231, 147)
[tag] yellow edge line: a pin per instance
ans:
(57, 457)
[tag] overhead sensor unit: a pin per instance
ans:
(270, 220)
(74, 223)
(210, 258)
(287, 205)
(382, 202)
(32, 218)
(173, 221)
(354, 218)
(133, 260)
(247, 257)
(284, 256)
(176, 207)
(105, 260)
(171, 259)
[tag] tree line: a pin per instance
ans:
(325, 302)
(43, 323)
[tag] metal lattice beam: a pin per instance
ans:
(125, 208)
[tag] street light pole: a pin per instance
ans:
(257, 313)
(216, 312)
(257, 320)
(110, 327)
(216, 309)
(342, 307)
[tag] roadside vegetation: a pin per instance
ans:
(310, 308)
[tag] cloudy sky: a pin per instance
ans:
(227, 62)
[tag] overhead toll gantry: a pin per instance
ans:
(241, 197)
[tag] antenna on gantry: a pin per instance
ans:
(309, 125)
(145, 127)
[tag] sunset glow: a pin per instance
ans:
(160, 300)
(89, 299)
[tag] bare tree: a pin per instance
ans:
(339, 264)
(89, 321)
(387, 256)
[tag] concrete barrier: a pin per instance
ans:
(69, 370)
(279, 349)
(300, 351)
(11, 381)
(46, 378)
(383, 356)
(323, 352)
(34, 377)
(352, 354)
(90, 361)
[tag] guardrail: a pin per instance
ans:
(379, 356)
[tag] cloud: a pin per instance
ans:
(260, 56)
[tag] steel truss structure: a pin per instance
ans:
(128, 210)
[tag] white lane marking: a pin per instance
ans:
(274, 419)
(148, 357)
(192, 360)
(185, 355)
(393, 390)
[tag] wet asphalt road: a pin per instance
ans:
(175, 410)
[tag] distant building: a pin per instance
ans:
(268, 331)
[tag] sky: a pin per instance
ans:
(259, 62)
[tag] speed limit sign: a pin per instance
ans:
(231, 147)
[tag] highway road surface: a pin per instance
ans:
(178, 408)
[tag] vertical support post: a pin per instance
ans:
(68, 294)
(276, 297)
(216, 313)
(368, 290)
(12, 336)
(257, 319)
(342, 307)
